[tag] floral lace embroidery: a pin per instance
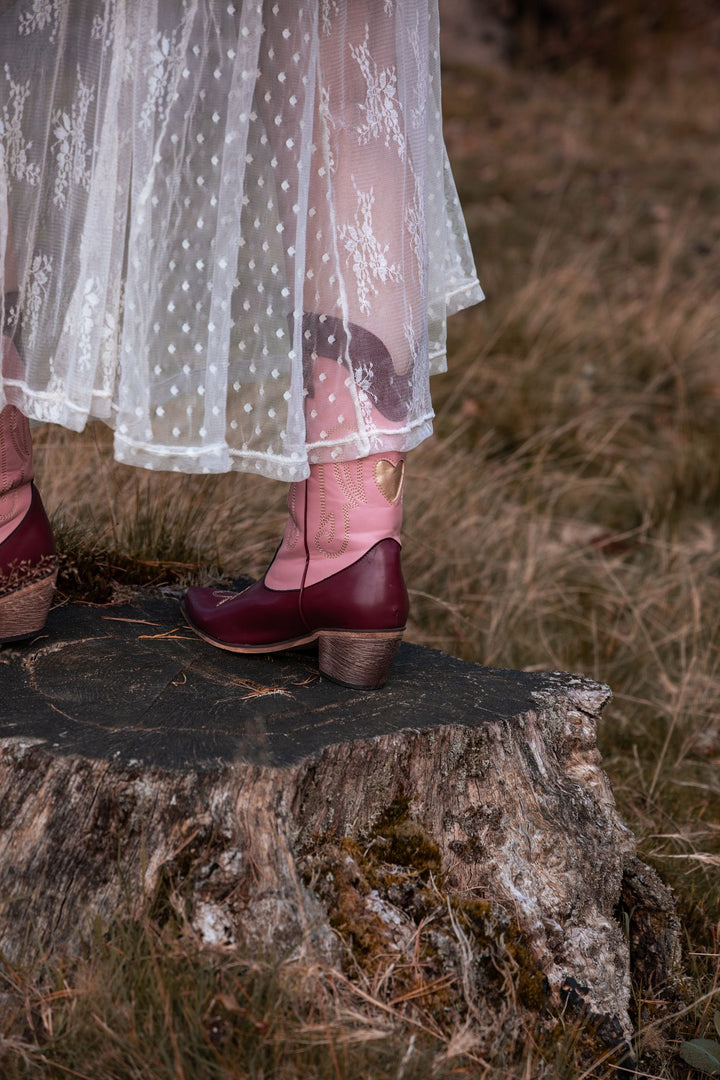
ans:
(43, 13)
(368, 256)
(85, 324)
(53, 407)
(411, 334)
(364, 375)
(327, 123)
(366, 411)
(415, 225)
(167, 59)
(38, 281)
(71, 149)
(328, 8)
(108, 351)
(103, 24)
(381, 108)
(15, 147)
(417, 113)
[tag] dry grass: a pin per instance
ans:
(565, 515)
(146, 1002)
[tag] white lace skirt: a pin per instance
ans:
(210, 209)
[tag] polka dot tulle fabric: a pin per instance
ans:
(229, 228)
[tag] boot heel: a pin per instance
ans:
(359, 660)
(24, 611)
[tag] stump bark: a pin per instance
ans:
(283, 814)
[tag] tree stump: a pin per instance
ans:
(279, 812)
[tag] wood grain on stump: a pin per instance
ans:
(281, 812)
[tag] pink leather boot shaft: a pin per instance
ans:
(16, 470)
(345, 507)
(351, 505)
(336, 516)
(288, 567)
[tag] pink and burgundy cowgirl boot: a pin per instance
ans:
(28, 563)
(336, 578)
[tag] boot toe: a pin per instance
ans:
(255, 620)
(213, 611)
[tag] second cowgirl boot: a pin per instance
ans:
(336, 578)
(28, 565)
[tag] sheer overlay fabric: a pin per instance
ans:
(229, 229)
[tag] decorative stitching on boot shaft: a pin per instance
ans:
(290, 539)
(354, 490)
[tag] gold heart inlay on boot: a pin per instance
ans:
(389, 479)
